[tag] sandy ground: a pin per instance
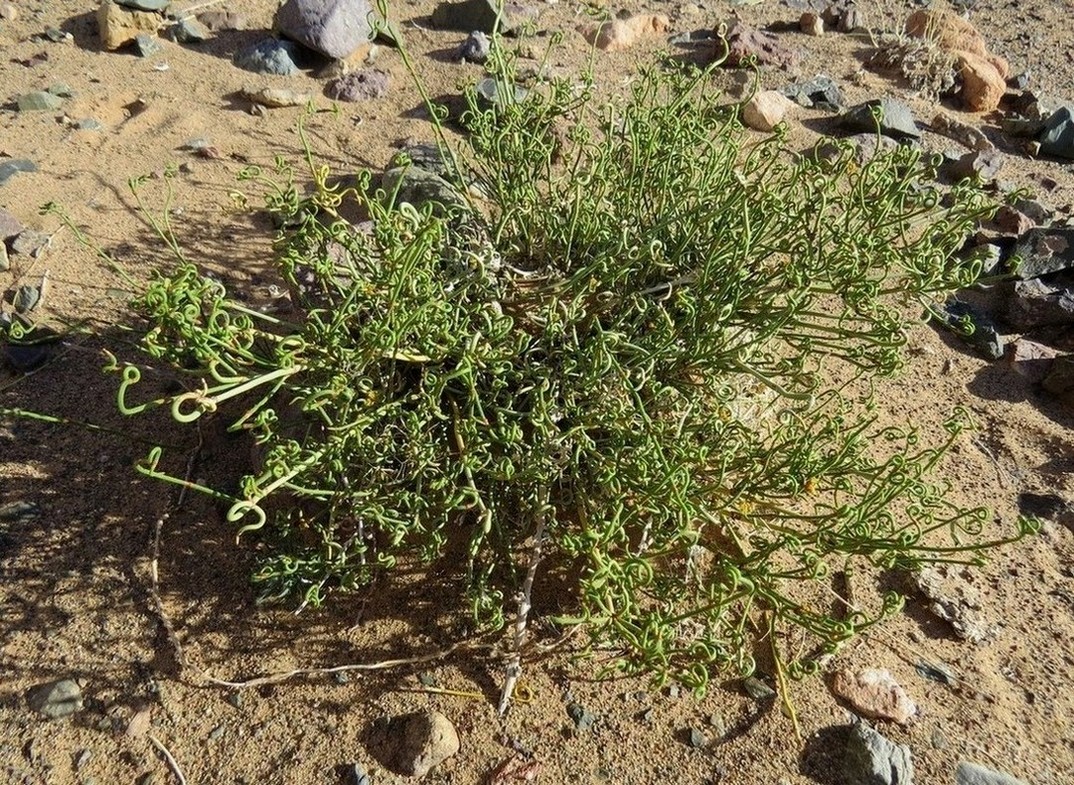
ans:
(77, 592)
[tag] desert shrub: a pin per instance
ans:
(633, 347)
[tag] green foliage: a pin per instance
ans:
(635, 332)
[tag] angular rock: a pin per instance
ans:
(492, 93)
(38, 101)
(961, 132)
(619, 34)
(766, 109)
(874, 693)
(894, 118)
(871, 759)
(221, 21)
(745, 45)
(146, 5)
(412, 744)
(359, 86)
(1057, 136)
(811, 23)
(269, 56)
(30, 243)
(335, 28)
(1044, 251)
(820, 92)
(146, 45)
(190, 31)
(1037, 303)
(475, 49)
(470, 15)
(1059, 379)
(983, 84)
(983, 165)
(276, 97)
(117, 25)
(10, 226)
(13, 166)
(418, 187)
(976, 774)
(1030, 360)
(55, 699)
(983, 334)
(956, 601)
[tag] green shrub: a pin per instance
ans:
(637, 344)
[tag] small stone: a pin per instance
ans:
(1030, 360)
(617, 35)
(983, 84)
(38, 101)
(335, 28)
(84, 756)
(766, 109)
(894, 118)
(365, 85)
(61, 90)
(976, 774)
(481, 15)
(147, 45)
(1037, 303)
(820, 92)
(975, 327)
(811, 23)
(475, 49)
(757, 689)
(217, 733)
(747, 45)
(982, 165)
(30, 243)
(871, 759)
(55, 699)
(1059, 379)
(8, 12)
(412, 744)
(583, 720)
(955, 600)
(850, 20)
(89, 124)
(961, 132)
(190, 31)
(277, 97)
(1007, 220)
(10, 226)
(19, 511)
(118, 25)
(146, 5)
(5, 261)
(1057, 136)
(268, 56)
(139, 723)
(57, 36)
(222, 21)
(696, 738)
(355, 775)
(26, 298)
(1044, 251)
(874, 693)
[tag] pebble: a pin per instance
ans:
(147, 45)
(976, 774)
(696, 738)
(362, 85)
(811, 23)
(985, 337)
(1057, 136)
(30, 243)
(5, 261)
(820, 92)
(269, 56)
(38, 101)
(10, 226)
(872, 759)
(217, 733)
(583, 719)
(747, 45)
(470, 15)
(983, 165)
(9, 12)
(961, 132)
(956, 601)
(146, 5)
(55, 699)
(757, 689)
(19, 511)
(190, 31)
(89, 124)
(894, 117)
(26, 298)
(335, 28)
(61, 90)
(874, 693)
(355, 775)
(617, 35)
(277, 97)
(412, 744)
(766, 109)
(492, 93)
(475, 49)
(1060, 377)
(139, 723)
(118, 25)
(13, 165)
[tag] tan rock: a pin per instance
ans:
(118, 25)
(8, 12)
(874, 693)
(947, 29)
(620, 34)
(811, 24)
(982, 84)
(767, 109)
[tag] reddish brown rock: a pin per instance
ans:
(619, 34)
(982, 84)
(745, 44)
(875, 694)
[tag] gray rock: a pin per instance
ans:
(424, 156)
(1057, 137)
(493, 93)
(190, 31)
(30, 243)
(975, 327)
(418, 187)
(412, 744)
(359, 85)
(820, 92)
(1037, 303)
(355, 775)
(269, 56)
(10, 226)
(145, 5)
(757, 689)
(61, 90)
(13, 166)
(871, 759)
(57, 36)
(583, 719)
(220, 21)
(335, 28)
(147, 45)
(26, 298)
(38, 101)
(696, 738)
(475, 49)
(982, 164)
(976, 774)
(470, 15)
(894, 118)
(1044, 251)
(55, 698)
(89, 124)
